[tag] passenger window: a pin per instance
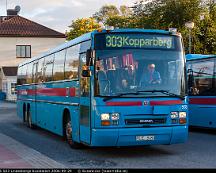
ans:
(48, 68)
(85, 46)
(29, 73)
(58, 69)
(22, 75)
(40, 71)
(72, 62)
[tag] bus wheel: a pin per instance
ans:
(68, 135)
(29, 120)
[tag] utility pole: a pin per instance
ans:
(190, 26)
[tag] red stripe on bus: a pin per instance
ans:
(166, 102)
(31, 92)
(49, 92)
(138, 103)
(52, 91)
(203, 101)
(72, 92)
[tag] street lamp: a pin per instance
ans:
(190, 26)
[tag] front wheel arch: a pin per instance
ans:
(66, 118)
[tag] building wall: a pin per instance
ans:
(8, 55)
(6, 87)
(38, 46)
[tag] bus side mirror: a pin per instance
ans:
(86, 73)
(90, 54)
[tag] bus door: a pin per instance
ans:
(85, 108)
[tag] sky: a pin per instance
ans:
(58, 14)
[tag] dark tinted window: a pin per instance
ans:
(203, 77)
(48, 68)
(58, 70)
(72, 62)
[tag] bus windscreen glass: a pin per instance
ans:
(129, 63)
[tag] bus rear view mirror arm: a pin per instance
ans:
(90, 54)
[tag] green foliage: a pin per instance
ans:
(106, 12)
(82, 26)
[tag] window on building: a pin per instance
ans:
(58, 70)
(4, 87)
(23, 51)
(72, 62)
(13, 88)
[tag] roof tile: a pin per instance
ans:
(18, 26)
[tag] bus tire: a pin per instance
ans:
(24, 114)
(68, 134)
(29, 120)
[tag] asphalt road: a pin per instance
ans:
(198, 152)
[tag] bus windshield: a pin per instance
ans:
(139, 65)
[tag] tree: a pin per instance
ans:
(125, 11)
(167, 13)
(106, 12)
(82, 26)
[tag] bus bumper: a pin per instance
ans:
(127, 136)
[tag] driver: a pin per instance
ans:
(152, 77)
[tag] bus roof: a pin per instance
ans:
(191, 57)
(88, 36)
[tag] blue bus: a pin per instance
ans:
(202, 90)
(121, 87)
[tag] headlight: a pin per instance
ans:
(105, 117)
(182, 114)
(115, 116)
(174, 115)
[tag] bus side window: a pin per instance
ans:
(22, 75)
(40, 71)
(48, 68)
(19, 76)
(34, 73)
(72, 62)
(29, 73)
(58, 69)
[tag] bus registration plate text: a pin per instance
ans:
(145, 138)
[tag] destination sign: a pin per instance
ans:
(139, 41)
(133, 40)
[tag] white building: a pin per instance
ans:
(8, 76)
(21, 39)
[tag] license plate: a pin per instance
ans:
(145, 138)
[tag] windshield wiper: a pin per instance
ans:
(141, 91)
(162, 91)
(120, 95)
